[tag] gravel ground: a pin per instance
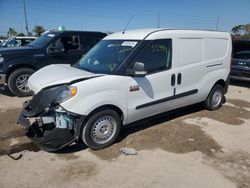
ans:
(190, 147)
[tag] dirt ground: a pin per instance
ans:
(189, 147)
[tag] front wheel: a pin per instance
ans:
(18, 80)
(215, 98)
(101, 129)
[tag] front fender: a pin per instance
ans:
(15, 61)
(85, 105)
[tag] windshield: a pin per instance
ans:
(43, 40)
(106, 56)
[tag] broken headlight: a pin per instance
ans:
(66, 94)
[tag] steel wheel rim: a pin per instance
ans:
(103, 129)
(22, 82)
(216, 98)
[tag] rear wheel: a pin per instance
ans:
(215, 98)
(101, 129)
(18, 80)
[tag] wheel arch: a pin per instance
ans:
(15, 67)
(107, 106)
(102, 107)
(222, 83)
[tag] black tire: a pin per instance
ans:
(215, 98)
(12, 82)
(93, 125)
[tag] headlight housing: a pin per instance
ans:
(66, 94)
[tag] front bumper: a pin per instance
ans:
(48, 125)
(52, 130)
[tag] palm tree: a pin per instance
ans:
(11, 32)
(247, 29)
(38, 30)
(236, 30)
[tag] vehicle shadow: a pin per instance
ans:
(158, 119)
(6, 91)
(142, 124)
(72, 148)
(240, 83)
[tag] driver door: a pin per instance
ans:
(152, 94)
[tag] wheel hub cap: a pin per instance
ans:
(22, 82)
(103, 129)
(216, 99)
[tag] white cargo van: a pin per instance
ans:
(126, 77)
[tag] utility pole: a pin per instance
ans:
(25, 16)
(217, 23)
(158, 21)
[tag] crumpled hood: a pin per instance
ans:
(56, 74)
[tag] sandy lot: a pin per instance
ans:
(190, 147)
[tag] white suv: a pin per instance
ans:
(126, 77)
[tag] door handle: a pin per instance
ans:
(173, 80)
(179, 78)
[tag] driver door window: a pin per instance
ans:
(156, 56)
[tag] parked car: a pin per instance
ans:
(53, 47)
(126, 77)
(240, 69)
(17, 42)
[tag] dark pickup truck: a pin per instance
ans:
(240, 68)
(53, 47)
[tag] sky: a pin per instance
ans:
(113, 15)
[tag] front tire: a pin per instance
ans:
(101, 129)
(17, 82)
(215, 98)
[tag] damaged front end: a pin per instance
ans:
(48, 125)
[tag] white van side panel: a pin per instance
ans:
(201, 66)
(190, 51)
(215, 48)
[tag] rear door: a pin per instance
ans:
(153, 93)
(190, 70)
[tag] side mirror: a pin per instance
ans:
(138, 70)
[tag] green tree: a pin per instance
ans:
(236, 30)
(21, 34)
(11, 32)
(38, 30)
(241, 31)
(247, 29)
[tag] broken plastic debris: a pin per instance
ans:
(128, 151)
(16, 156)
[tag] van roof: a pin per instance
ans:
(154, 33)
